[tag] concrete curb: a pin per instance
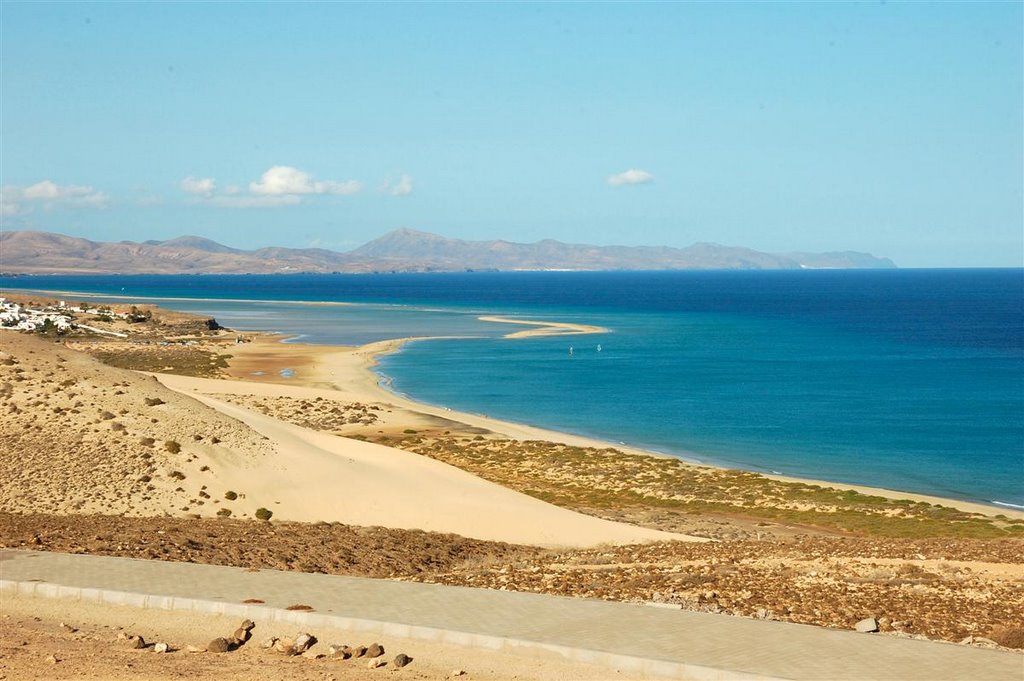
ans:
(623, 663)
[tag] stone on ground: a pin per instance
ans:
(867, 626)
(218, 645)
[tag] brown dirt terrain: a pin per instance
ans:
(57, 640)
(330, 548)
(945, 589)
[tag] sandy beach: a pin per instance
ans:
(349, 372)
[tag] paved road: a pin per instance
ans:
(634, 638)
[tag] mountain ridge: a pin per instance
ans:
(401, 250)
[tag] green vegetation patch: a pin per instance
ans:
(184, 361)
(590, 479)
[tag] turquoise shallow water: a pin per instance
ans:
(747, 393)
(908, 380)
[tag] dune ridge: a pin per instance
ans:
(315, 476)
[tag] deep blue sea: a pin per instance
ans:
(905, 379)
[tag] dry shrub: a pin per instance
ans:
(1008, 636)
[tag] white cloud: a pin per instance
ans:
(93, 200)
(401, 188)
(49, 195)
(280, 180)
(199, 186)
(631, 176)
(278, 186)
(47, 190)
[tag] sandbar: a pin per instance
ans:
(542, 328)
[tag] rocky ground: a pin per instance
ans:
(949, 589)
(54, 639)
(331, 548)
(939, 588)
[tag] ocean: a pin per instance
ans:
(903, 379)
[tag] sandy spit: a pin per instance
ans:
(545, 328)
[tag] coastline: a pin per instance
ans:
(298, 353)
(350, 371)
(171, 446)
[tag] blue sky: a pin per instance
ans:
(884, 127)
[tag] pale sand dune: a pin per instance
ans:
(78, 436)
(315, 476)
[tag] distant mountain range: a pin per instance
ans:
(403, 250)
